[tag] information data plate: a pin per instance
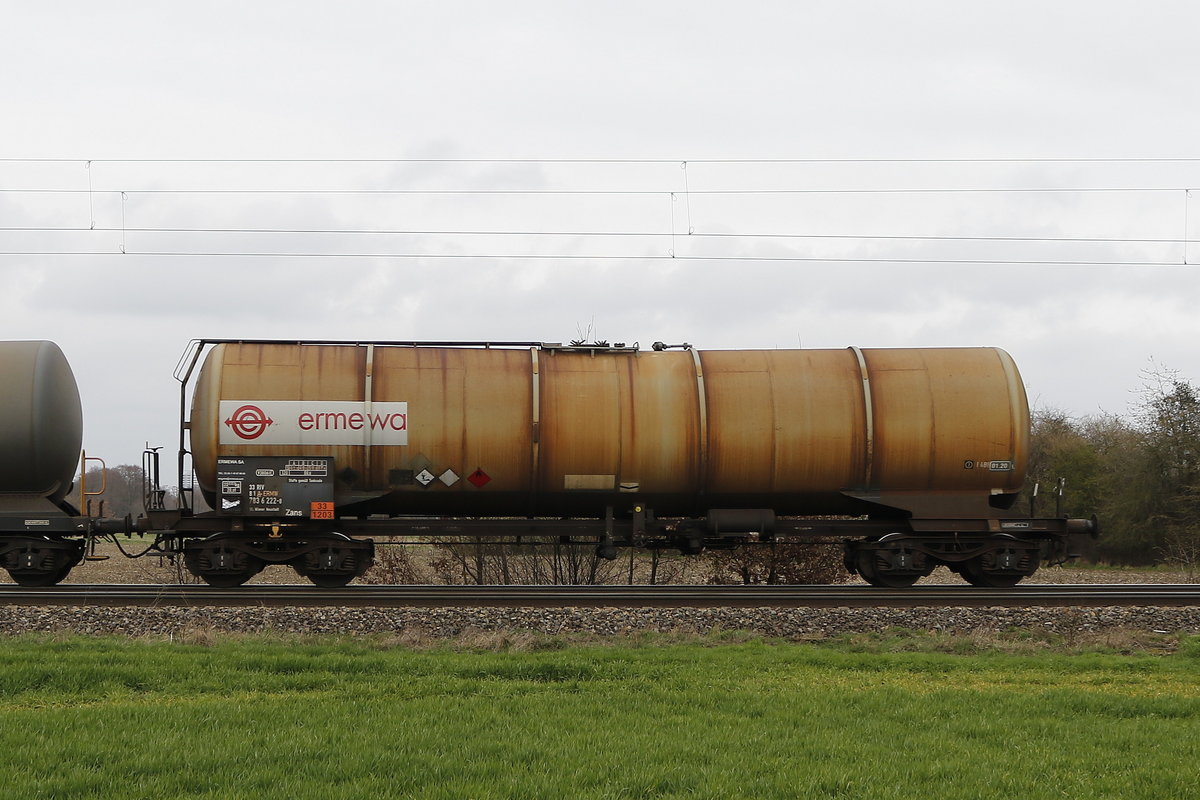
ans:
(275, 486)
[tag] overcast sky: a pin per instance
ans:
(879, 96)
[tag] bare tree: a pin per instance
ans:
(124, 487)
(792, 562)
(1171, 467)
(475, 560)
(395, 564)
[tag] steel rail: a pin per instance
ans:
(948, 596)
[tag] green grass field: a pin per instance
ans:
(247, 718)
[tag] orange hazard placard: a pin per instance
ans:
(321, 510)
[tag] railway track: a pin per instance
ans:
(188, 595)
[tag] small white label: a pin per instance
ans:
(37, 522)
(991, 466)
(424, 477)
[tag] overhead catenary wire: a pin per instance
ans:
(603, 192)
(597, 257)
(587, 160)
(601, 233)
(215, 248)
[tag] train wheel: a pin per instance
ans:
(221, 561)
(39, 578)
(330, 581)
(335, 561)
(42, 561)
(226, 580)
(868, 568)
(896, 581)
(974, 574)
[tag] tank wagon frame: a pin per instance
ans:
(313, 502)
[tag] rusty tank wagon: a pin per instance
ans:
(301, 451)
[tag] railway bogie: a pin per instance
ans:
(230, 559)
(40, 561)
(899, 559)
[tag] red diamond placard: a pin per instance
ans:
(479, 478)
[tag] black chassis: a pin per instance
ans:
(885, 552)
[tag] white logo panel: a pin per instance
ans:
(313, 422)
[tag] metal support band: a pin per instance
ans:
(368, 392)
(702, 443)
(869, 412)
(535, 431)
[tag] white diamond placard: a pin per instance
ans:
(424, 477)
(448, 477)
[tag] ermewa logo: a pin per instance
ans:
(249, 422)
(313, 422)
(354, 421)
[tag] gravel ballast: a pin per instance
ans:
(440, 623)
